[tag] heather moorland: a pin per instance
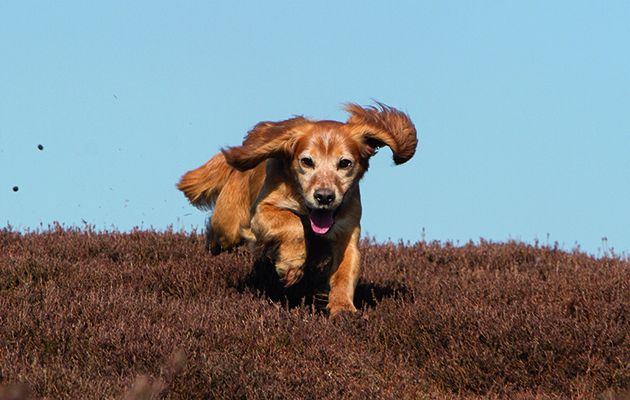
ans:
(145, 314)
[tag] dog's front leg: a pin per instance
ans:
(344, 273)
(282, 234)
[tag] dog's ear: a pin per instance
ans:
(265, 140)
(384, 126)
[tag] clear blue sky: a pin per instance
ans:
(522, 109)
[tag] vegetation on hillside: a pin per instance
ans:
(146, 314)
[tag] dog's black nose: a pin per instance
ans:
(324, 196)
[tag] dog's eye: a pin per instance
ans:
(307, 162)
(345, 164)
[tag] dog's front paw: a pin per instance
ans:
(338, 308)
(350, 321)
(291, 276)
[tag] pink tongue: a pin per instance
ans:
(321, 220)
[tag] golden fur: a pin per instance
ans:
(296, 178)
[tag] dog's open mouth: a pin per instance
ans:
(321, 220)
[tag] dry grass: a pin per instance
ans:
(145, 315)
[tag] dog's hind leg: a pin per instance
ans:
(212, 242)
(232, 210)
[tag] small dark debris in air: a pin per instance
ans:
(15, 188)
(39, 146)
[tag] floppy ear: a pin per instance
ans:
(384, 126)
(265, 140)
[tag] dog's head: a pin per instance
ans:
(327, 158)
